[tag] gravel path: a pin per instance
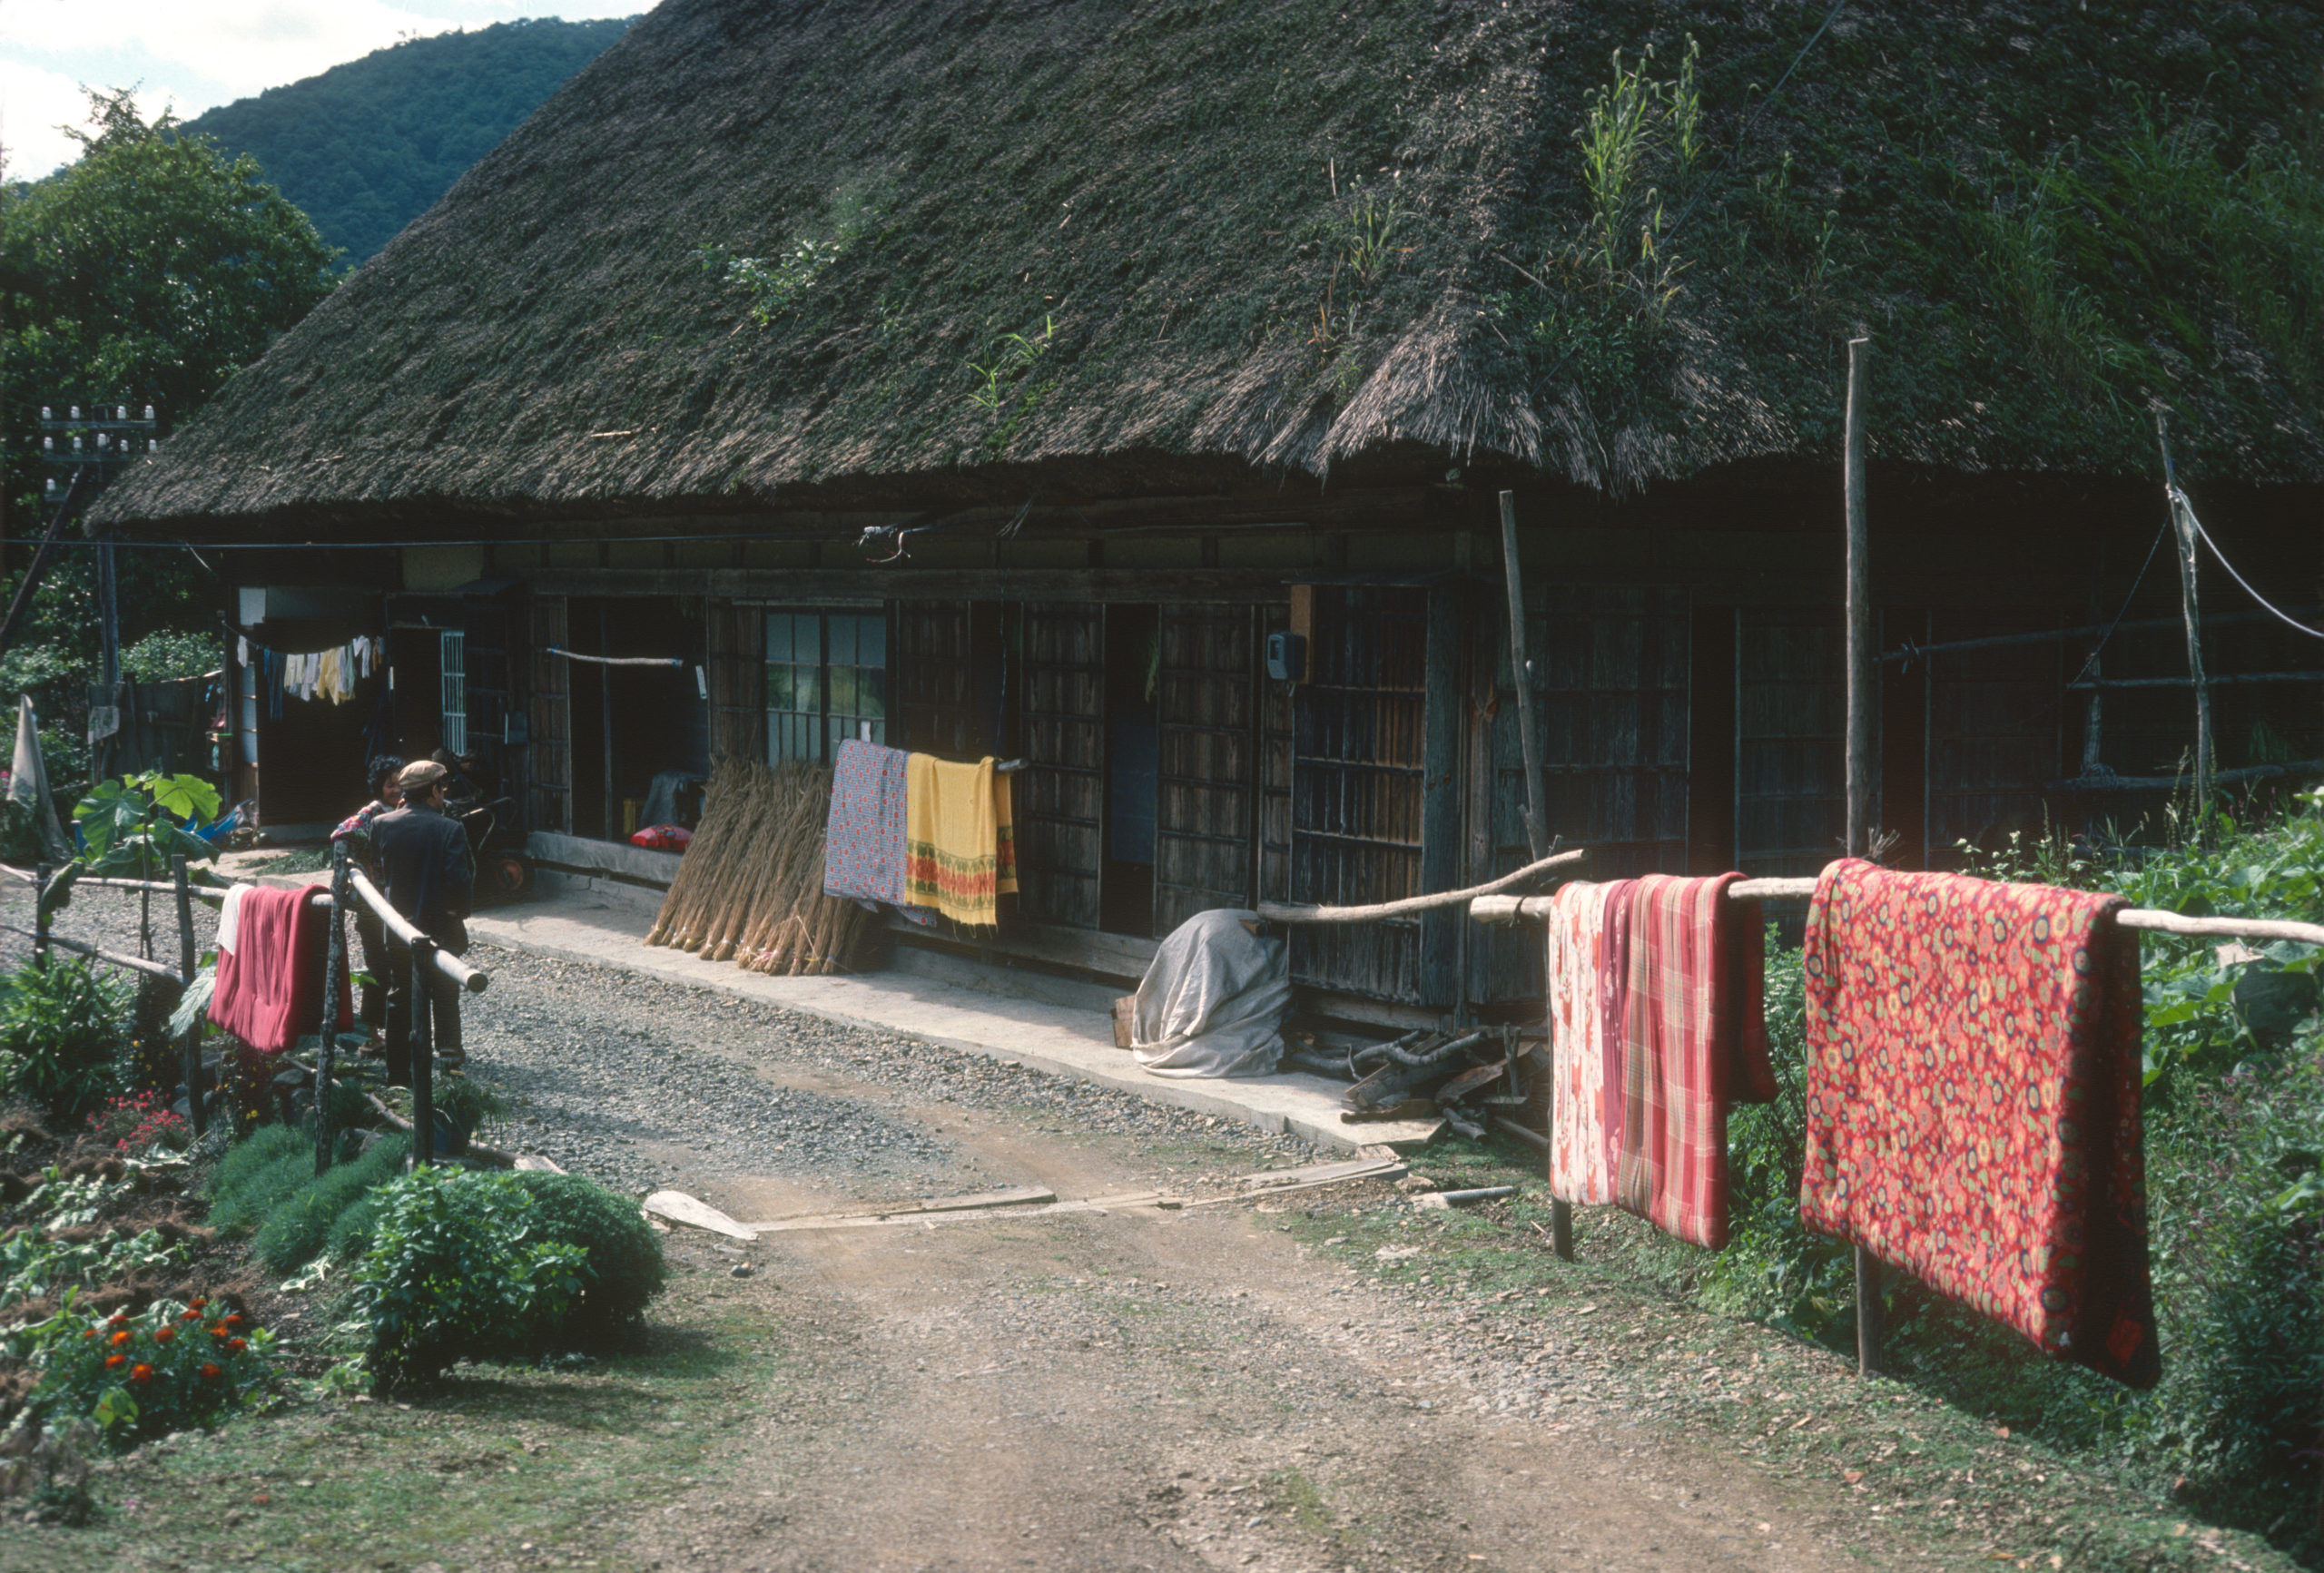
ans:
(642, 1083)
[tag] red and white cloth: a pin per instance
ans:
(270, 981)
(1694, 1042)
(1579, 1150)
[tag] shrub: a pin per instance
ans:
(624, 1270)
(352, 1231)
(164, 1369)
(457, 1269)
(258, 1175)
(62, 1032)
(298, 1227)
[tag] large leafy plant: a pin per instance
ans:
(63, 1035)
(135, 825)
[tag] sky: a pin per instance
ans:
(191, 55)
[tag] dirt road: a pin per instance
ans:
(1137, 1390)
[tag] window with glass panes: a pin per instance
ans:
(826, 681)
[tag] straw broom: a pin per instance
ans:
(719, 856)
(748, 871)
(697, 871)
(791, 802)
(797, 805)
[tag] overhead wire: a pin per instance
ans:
(2179, 499)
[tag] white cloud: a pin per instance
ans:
(195, 54)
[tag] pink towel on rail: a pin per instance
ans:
(1694, 1043)
(1973, 1085)
(270, 985)
(1576, 968)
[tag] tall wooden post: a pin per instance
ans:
(190, 1046)
(1536, 807)
(422, 1052)
(2182, 528)
(1863, 768)
(334, 970)
(40, 915)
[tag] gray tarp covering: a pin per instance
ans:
(1212, 1001)
(28, 782)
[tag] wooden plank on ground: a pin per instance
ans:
(680, 1208)
(1012, 1196)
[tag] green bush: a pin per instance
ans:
(258, 1175)
(457, 1268)
(63, 1036)
(624, 1270)
(352, 1231)
(298, 1227)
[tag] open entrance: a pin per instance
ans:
(633, 723)
(1133, 765)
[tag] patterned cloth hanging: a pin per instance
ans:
(1974, 1084)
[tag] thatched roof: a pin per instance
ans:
(1297, 236)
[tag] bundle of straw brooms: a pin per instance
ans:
(750, 887)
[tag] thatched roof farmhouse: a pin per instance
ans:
(1134, 331)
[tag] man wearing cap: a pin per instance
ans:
(431, 874)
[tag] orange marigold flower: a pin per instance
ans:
(163, 1335)
(117, 1318)
(236, 1345)
(89, 1332)
(192, 1313)
(199, 1302)
(209, 1371)
(235, 1320)
(118, 1338)
(218, 1330)
(115, 1361)
(141, 1372)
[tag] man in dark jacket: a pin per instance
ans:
(430, 876)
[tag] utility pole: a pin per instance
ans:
(89, 442)
(1861, 768)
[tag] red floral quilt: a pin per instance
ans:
(1973, 1084)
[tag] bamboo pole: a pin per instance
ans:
(1536, 807)
(190, 1052)
(1283, 912)
(1863, 681)
(2183, 526)
(334, 968)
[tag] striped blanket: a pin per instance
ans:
(960, 845)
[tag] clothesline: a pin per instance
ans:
(616, 660)
(2153, 919)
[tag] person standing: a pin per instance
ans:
(355, 829)
(430, 878)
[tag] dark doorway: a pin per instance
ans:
(1133, 764)
(631, 723)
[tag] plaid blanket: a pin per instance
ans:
(1693, 1043)
(1578, 1145)
(1974, 1081)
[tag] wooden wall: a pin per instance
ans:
(549, 778)
(1060, 800)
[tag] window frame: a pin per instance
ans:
(452, 689)
(837, 686)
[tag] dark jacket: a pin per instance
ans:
(429, 871)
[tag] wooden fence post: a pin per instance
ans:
(190, 1045)
(1863, 769)
(2183, 530)
(1537, 808)
(334, 970)
(40, 915)
(420, 1037)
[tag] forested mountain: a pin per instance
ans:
(367, 147)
